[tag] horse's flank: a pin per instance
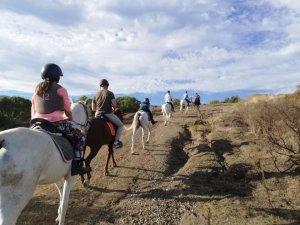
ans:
(166, 109)
(135, 122)
(140, 119)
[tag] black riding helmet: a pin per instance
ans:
(147, 100)
(51, 72)
(103, 82)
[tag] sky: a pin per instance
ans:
(218, 48)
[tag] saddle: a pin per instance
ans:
(64, 143)
(111, 126)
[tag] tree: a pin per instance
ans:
(88, 103)
(128, 104)
(83, 98)
(232, 99)
(176, 102)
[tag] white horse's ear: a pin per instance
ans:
(86, 101)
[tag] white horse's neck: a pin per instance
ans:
(79, 113)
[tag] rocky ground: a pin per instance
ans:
(200, 169)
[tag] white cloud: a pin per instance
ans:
(150, 46)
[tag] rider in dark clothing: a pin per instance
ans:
(145, 106)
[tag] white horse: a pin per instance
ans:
(167, 112)
(140, 119)
(184, 105)
(27, 158)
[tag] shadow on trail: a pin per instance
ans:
(165, 194)
(283, 213)
(47, 211)
(105, 190)
(177, 157)
(140, 169)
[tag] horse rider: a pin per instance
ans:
(104, 103)
(50, 101)
(197, 99)
(186, 97)
(168, 99)
(145, 106)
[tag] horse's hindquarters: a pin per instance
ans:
(33, 154)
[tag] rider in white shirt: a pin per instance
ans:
(168, 99)
(186, 97)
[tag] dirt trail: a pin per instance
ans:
(132, 193)
(200, 171)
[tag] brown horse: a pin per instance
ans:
(99, 134)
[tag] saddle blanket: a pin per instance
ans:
(111, 128)
(63, 145)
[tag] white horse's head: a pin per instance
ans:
(80, 114)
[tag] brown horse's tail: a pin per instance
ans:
(135, 121)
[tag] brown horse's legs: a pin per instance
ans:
(106, 165)
(88, 160)
(112, 156)
(82, 179)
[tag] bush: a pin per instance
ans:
(232, 99)
(277, 121)
(176, 102)
(214, 102)
(128, 104)
(14, 111)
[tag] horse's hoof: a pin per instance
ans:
(86, 184)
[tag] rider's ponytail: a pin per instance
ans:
(42, 87)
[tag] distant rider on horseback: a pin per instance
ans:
(186, 97)
(168, 99)
(104, 103)
(145, 106)
(197, 99)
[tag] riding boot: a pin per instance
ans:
(151, 118)
(78, 169)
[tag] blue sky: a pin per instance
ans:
(217, 48)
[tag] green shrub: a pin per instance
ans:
(232, 99)
(214, 102)
(14, 111)
(128, 104)
(176, 102)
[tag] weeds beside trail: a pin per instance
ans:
(277, 121)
